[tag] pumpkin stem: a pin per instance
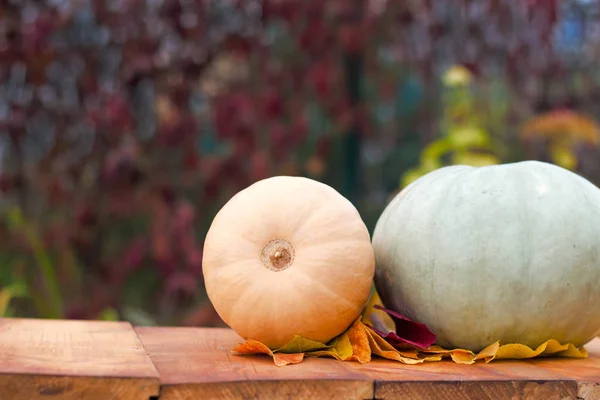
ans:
(277, 255)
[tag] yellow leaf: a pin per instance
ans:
(377, 318)
(550, 347)
(341, 348)
(463, 137)
(459, 356)
(432, 153)
(489, 352)
(300, 345)
(360, 343)
(512, 351)
(563, 156)
(474, 159)
(352, 345)
(410, 176)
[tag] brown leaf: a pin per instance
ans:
(282, 359)
(383, 349)
(252, 347)
(359, 340)
(256, 347)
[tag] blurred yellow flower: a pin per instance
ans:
(457, 76)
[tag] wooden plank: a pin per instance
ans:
(196, 363)
(585, 372)
(447, 380)
(547, 378)
(42, 359)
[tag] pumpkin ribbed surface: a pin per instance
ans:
(288, 256)
(508, 252)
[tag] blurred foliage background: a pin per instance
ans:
(126, 124)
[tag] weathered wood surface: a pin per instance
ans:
(544, 378)
(197, 363)
(45, 359)
(42, 359)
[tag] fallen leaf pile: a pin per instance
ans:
(387, 334)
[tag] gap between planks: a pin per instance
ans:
(196, 363)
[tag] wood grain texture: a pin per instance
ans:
(585, 372)
(196, 363)
(51, 387)
(43, 359)
(447, 380)
(545, 378)
(459, 390)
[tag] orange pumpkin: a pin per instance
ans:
(288, 256)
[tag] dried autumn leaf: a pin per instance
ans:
(340, 348)
(358, 337)
(383, 349)
(551, 347)
(280, 359)
(300, 345)
(413, 345)
(513, 351)
(360, 342)
(252, 347)
(459, 356)
(376, 317)
(406, 331)
(352, 345)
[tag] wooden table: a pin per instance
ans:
(41, 359)
(196, 363)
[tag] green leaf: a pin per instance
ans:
(301, 345)
(138, 285)
(109, 314)
(14, 218)
(138, 317)
(52, 305)
(10, 292)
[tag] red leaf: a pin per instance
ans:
(272, 104)
(407, 331)
(134, 254)
(181, 286)
(5, 182)
(259, 166)
(185, 213)
(193, 258)
(191, 161)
